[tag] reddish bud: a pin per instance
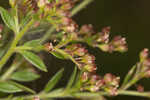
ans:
(140, 88)
(113, 91)
(90, 68)
(49, 46)
(87, 29)
(146, 62)
(106, 29)
(108, 78)
(85, 76)
(147, 74)
(94, 79)
(144, 54)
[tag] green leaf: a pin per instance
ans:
(22, 87)
(34, 59)
(78, 83)
(25, 20)
(7, 18)
(35, 44)
(9, 88)
(24, 76)
(72, 78)
(53, 81)
(32, 43)
(129, 75)
(58, 55)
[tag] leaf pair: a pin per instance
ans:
(11, 22)
(32, 57)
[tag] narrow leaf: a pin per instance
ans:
(32, 43)
(72, 78)
(22, 87)
(7, 18)
(25, 20)
(24, 76)
(34, 59)
(129, 75)
(53, 81)
(35, 44)
(77, 82)
(9, 88)
(58, 55)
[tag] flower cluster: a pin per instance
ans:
(58, 13)
(144, 63)
(93, 82)
(84, 60)
(101, 39)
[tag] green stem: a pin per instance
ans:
(13, 67)
(81, 6)
(81, 95)
(73, 12)
(14, 44)
(135, 93)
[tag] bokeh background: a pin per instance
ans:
(129, 18)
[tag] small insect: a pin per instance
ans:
(36, 98)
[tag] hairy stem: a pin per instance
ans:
(14, 44)
(81, 95)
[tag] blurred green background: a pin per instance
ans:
(129, 18)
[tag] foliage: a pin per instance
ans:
(55, 17)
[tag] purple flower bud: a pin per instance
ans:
(88, 59)
(66, 21)
(118, 40)
(49, 47)
(146, 62)
(87, 29)
(71, 28)
(90, 68)
(108, 78)
(94, 79)
(94, 88)
(85, 76)
(103, 37)
(80, 51)
(100, 83)
(106, 29)
(113, 91)
(144, 54)
(140, 88)
(147, 74)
